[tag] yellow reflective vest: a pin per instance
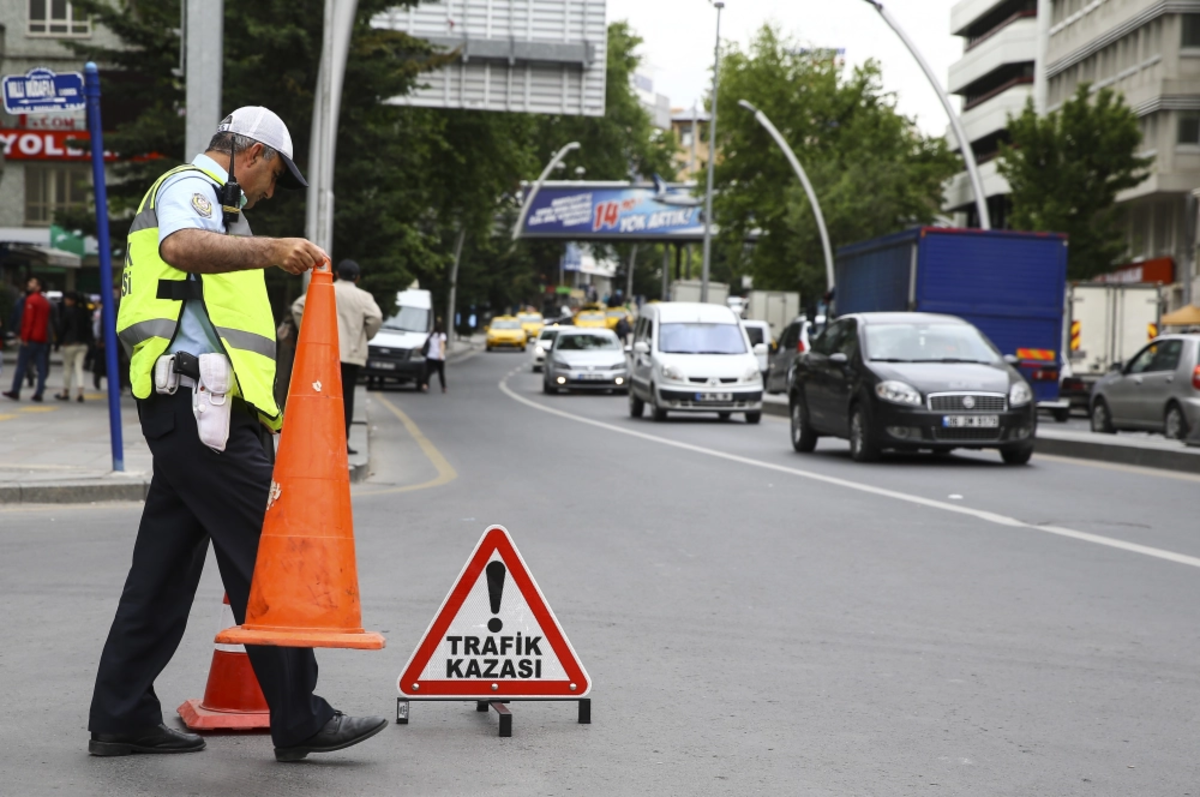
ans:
(153, 292)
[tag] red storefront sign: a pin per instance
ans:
(46, 145)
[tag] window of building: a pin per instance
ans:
(1190, 29)
(57, 18)
(685, 138)
(50, 189)
(1189, 128)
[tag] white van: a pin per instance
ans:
(692, 357)
(394, 354)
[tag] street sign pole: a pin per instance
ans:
(91, 90)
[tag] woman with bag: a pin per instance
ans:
(435, 356)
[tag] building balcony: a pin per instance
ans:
(990, 113)
(958, 195)
(1015, 43)
(964, 13)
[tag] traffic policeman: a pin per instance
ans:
(197, 323)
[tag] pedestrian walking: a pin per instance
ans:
(359, 318)
(435, 357)
(197, 319)
(35, 340)
(623, 329)
(73, 339)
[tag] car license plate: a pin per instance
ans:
(382, 365)
(971, 421)
(591, 377)
(714, 397)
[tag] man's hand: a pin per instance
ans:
(297, 255)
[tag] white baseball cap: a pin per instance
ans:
(265, 126)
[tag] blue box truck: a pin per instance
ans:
(1011, 285)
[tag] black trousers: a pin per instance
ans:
(349, 380)
(196, 495)
(438, 367)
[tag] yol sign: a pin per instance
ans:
(43, 91)
(494, 637)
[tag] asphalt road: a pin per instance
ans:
(753, 620)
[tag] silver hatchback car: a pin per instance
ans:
(1158, 390)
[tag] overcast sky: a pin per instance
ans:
(678, 49)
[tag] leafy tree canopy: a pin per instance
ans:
(872, 170)
(1066, 169)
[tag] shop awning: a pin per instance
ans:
(1183, 317)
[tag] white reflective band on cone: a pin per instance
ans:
(226, 621)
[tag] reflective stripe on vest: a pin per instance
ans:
(236, 303)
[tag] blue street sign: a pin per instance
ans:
(41, 91)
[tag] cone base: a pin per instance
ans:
(198, 718)
(301, 638)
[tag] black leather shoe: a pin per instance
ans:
(338, 734)
(152, 740)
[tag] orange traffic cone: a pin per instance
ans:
(305, 587)
(233, 700)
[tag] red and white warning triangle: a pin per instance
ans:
(494, 636)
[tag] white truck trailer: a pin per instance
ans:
(689, 291)
(1106, 324)
(777, 308)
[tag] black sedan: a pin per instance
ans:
(910, 382)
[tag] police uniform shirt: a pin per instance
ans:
(189, 201)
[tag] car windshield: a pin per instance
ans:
(755, 334)
(587, 343)
(696, 338)
(409, 319)
(928, 343)
(506, 324)
(615, 313)
(591, 316)
(529, 318)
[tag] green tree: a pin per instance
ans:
(1066, 169)
(871, 168)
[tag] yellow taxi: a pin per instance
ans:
(532, 323)
(505, 330)
(614, 314)
(591, 318)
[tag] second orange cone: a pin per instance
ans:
(305, 587)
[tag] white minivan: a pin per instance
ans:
(692, 357)
(394, 354)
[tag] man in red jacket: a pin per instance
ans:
(35, 340)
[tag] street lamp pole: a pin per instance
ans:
(712, 157)
(537, 186)
(964, 144)
(808, 189)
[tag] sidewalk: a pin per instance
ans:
(60, 451)
(1075, 439)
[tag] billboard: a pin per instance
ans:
(524, 56)
(618, 211)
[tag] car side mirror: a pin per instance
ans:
(760, 348)
(1117, 366)
(641, 347)
(628, 349)
(837, 358)
(1011, 359)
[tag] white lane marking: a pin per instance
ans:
(981, 514)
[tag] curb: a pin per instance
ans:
(81, 492)
(1185, 460)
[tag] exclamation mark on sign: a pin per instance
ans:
(495, 578)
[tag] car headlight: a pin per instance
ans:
(416, 353)
(1019, 395)
(898, 393)
(539, 350)
(671, 372)
(752, 375)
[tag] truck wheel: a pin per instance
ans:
(1062, 416)
(1019, 455)
(804, 439)
(863, 447)
(753, 417)
(1175, 425)
(636, 405)
(1102, 418)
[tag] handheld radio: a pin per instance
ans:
(231, 194)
